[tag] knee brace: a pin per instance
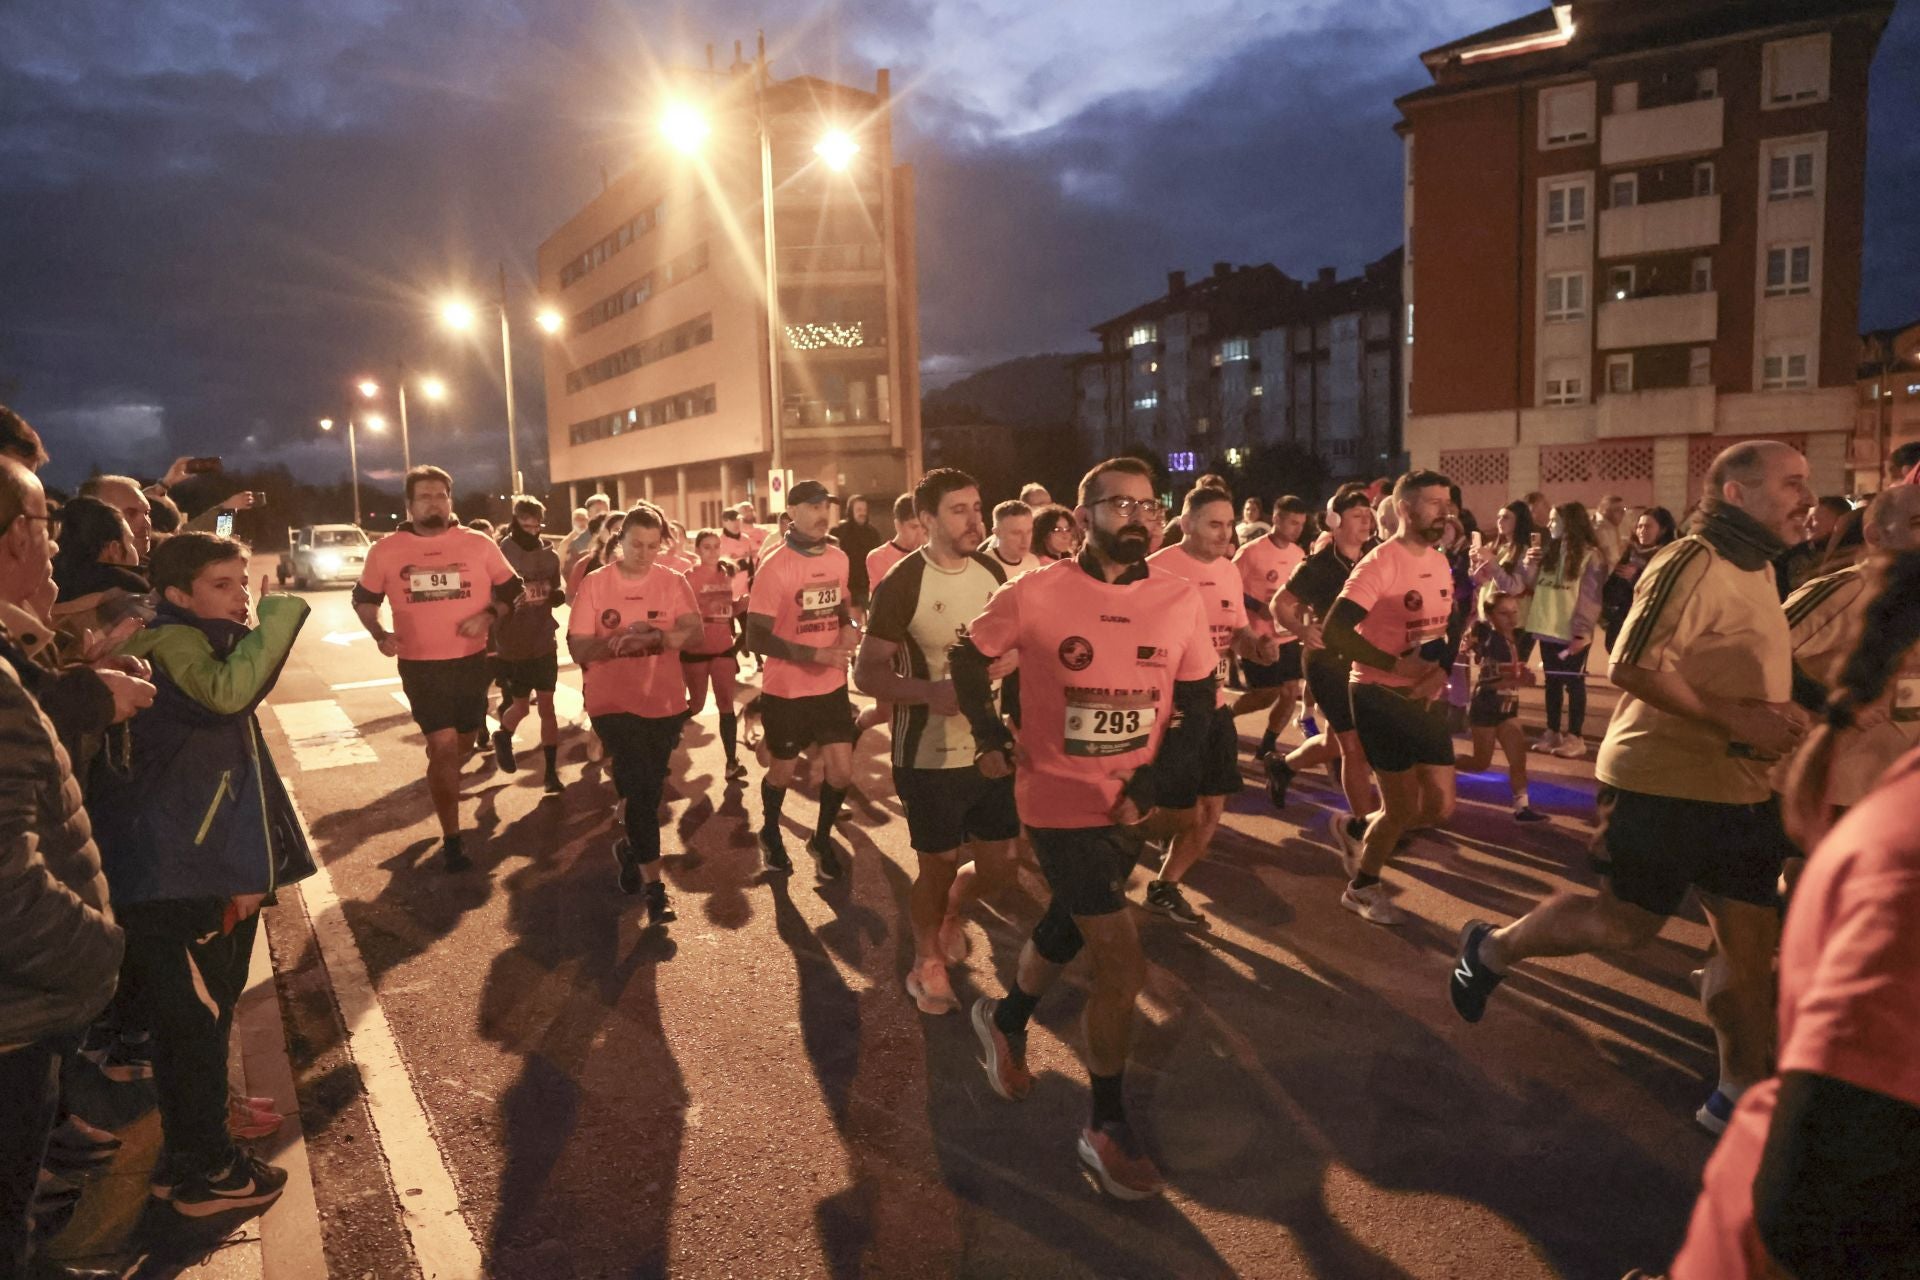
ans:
(1057, 938)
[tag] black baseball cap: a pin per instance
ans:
(808, 491)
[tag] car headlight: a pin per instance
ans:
(327, 561)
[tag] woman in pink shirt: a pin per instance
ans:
(711, 657)
(627, 624)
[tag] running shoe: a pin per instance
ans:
(503, 752)
(827, 857)
(552, 786)
(1571, 747)
(1279, 778)
(1471, 981)
(482, 741)
(1715, 1113)
(126, 1060)
(163, 1181)
(955, 944)
(933, 997)
(453, 856)
(1006, 1067)
(1117, 1163)
(1164, 897)
(1527, 813)
(736, 770)
(774, 850)
(246, 1183)
(1546, 742)
(1371, 904)
(659, 910)
(629, 875)
(248, 1123)
(1349, 846)
(75, 1142)
(596, 749)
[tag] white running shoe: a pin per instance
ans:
(1371, 904)
(1546, 742)
(1571, 748)
(1349, 847)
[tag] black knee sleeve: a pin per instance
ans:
(1057, 938)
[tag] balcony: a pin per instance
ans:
(1658, 321)
(836, 260)
(1660, 133)
(1663, 227)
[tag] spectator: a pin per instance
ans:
(196, 839)
(20, 442)
(1500, 568)
(1818, 1175)
(857, 537)
(1805, 559)
(480, 524)
(97, 572)
(1539, 508)
(1053, 532)
(1567, 577)
(1035, 495)
(1903, 460)
(1653, 530)
(59, 947)
(124, 494)
(580, 541)
(1253, 521)
(1610, 531)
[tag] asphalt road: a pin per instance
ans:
(750, 1092)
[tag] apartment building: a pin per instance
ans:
(1888, 414)
(676, 378)
(1633, 234)
(1249, 356)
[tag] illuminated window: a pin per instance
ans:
(1143, 334)
(1150, 400)
(1181, 460)
(1619, 283)
(1236, 349)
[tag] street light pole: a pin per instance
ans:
(353, 465)
(400, 390)
(506, 372)
(769, 249)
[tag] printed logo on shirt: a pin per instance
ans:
(1413, 600)
(1151, 655)
(1076, 653)
(610, 618)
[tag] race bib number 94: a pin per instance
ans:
(1108, 727)
(435, 584)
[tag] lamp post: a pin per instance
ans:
(374, 423)
(459, 315)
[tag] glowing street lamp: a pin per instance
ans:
(457, 315)
(374, 423)
(837, 149)
(369, 388)
(550, 320)
(462, 316)
(433, 389)
(684, 128)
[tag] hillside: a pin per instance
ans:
(1027, 391)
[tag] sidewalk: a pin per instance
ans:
(116, 1226)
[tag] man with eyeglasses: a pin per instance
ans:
(1117, 685)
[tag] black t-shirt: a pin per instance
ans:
(1316, 582)
(856, 538)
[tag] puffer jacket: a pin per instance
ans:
(202, 812)
(59, 945)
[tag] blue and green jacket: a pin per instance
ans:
(202, 812)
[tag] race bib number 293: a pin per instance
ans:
(1108, 727)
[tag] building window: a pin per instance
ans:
(1565, 382)
(1784, 371)
(1143, 334)
(682, 337)
(1794, 71)
(1566, 211)
(1700, 367)
(1566, 115)
(1789, 270)
(1236, 349)
(1566, 295)
(1619, 374)
(1563, 390)
(1706, 82)
(1790, 173)
(697, 403)
(1257, 390)
(1147, 400)
(1623, 192)
(1620, 283)
(1703, 275)
(1703, 178)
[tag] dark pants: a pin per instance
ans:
(1566, 680)
(640, 749)
(188, 977)
(29, 1096)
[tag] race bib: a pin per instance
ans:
(1108, 726)
(536, 592)
(435, 584)
(1223, 668)
(1906, 698)
(819, 599)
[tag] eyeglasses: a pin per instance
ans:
(1127, 508)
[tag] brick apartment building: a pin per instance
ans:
(659, 386)
(1250, 356)
(1634, 233)
(1889, 403)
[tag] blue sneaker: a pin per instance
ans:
(1715, 1113)
(1309, 726)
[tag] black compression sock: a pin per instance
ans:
(771, 800)
(1363, 881)
(1109, 1100)
(1357, 828)
(1011, 1014)
(1267, 740)
(729, 733)
(553, 757)
(831, 798)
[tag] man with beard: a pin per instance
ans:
(1117, 684)
(1390, 622)
(446, 586)
(918, 611)
(526, 652)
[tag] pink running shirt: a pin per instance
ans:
(432, 584)
(610, 600)
(1098, 662)
(1221, 595)
(714, 590)
(1264, 568)
(805, 596)
(881, 559)
(1408, 596)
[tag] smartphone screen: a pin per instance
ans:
(1534, 541)
(201, 466)
(224, 525)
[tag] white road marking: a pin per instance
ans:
(443, 1244)
(344, 638)
(321, 735)
(365, 684)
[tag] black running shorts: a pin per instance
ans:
(1490, 707)
(1086, 867)
(1398, 733)
(1273, 674)
(1219, 772)
(1652, 849)
(794, 724)
(1328, 678)
(523, 677)
(448, 693)
(948, 807)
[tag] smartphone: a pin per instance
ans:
(1533, 540)
(201, 466)
(259, 499)
(223, 525)
(1473, 542)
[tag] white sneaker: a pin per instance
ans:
(1344, 843)
(1546, 742)
(1371, 904)
(1571, 748)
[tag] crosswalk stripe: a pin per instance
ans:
(321, 735)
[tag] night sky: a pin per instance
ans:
(214, 214)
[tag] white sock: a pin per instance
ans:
(1732, 1092)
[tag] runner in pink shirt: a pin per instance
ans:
(710, 659)
(1116, 694)
(1390, 621)
(1265, 565)
(445, 586)
(1206, 520)
(626, 628)
(797, 621)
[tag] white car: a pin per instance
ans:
(324, 553)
